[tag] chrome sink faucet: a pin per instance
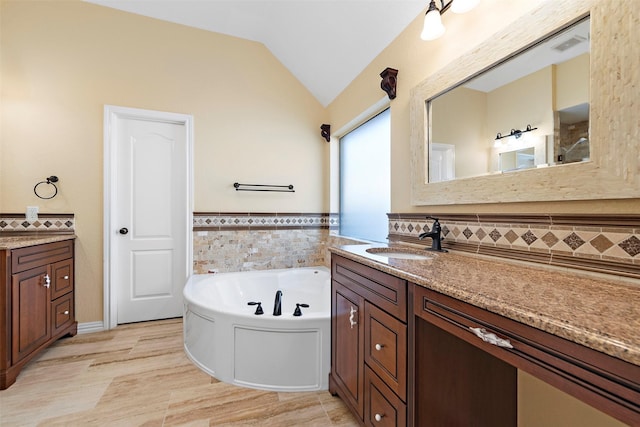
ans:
(435, 235)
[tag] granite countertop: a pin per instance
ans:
(15, 241)
(599, 313)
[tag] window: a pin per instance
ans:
(365, 187)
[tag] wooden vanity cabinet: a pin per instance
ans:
(369, 342)
(36, 303)
(465, 359)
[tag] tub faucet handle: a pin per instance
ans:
(297, 311)
(258, 308)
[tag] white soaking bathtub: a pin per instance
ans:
(225, 338)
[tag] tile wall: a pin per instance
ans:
(226, 242)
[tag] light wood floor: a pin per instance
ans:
(138, 375)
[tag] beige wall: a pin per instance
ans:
(540, 404)
(572, 82)
(528, 100)
(461, 116)
(416, 60)
(62, 61)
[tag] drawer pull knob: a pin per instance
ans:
(379, 346)
(352, 317)
(66, 312)
(66, 277)
(378, 417)
(491, 338)
(47, 281)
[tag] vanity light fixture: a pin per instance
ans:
(517, 133)
(433, 27)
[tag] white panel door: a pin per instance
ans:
(149, 266)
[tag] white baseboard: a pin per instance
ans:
(90, 327)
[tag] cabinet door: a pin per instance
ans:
(348, 345)
(31, 311)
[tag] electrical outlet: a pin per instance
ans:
(32, 213)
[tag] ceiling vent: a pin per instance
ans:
(569, 43)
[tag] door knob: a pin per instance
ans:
(123, 230)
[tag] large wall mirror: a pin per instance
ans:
(530, 111)
(533, 113)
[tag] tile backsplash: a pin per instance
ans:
(249, 241)
(254, 241)
(600, 243)
(47, 223)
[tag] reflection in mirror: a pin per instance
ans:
(443, 162)
(517, 159)
(573, 134)
(480, 126)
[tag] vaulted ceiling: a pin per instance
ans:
(324, 43)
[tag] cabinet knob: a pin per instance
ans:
(47, 281)
(378, 417)
(379, 346)
(66, 312)
(66, 277)
(352, 317)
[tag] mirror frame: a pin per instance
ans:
(613, 171)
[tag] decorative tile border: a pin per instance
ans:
(49, 223)
(601, 243)
(263, 221)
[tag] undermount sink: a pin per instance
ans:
(398, 253)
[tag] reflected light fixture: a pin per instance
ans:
(517, 133)
(433, 27)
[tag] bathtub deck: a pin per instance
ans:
(138, 374)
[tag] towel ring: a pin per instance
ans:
(51, 181)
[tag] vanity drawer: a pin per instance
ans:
(34, 256)
(384, 290)
(385, 348)
(61, 313)
(382, 407)
(62, 275)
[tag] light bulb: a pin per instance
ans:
(433, 27)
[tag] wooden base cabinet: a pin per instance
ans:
(36, 303)
(369, 342)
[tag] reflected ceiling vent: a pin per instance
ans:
(569, 43)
